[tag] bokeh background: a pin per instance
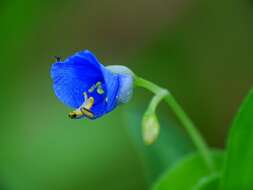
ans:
(200, 50)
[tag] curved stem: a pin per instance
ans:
(183, 118)
(156, 100)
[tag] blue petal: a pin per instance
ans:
(106, 103)
(112, 86)
(126, 88)
(74, 76)
(99, 107)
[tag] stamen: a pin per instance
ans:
(85, 96)
(75, 114)
(89, 103)
(100, 90)
(98, 84)
(84, 109)
(87, 113)
(92, 88)
(72, 115)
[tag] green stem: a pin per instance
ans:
(156, 100)
(182, 116)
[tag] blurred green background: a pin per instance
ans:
(200, 50)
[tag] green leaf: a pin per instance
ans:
(172, 144)
(210, 182)
(187, 173)
(238, 167)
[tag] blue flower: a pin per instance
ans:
(84, 84)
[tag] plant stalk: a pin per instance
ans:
(191, 129)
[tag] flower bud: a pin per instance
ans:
(150, 128)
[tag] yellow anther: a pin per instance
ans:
(84, 109)
(98, 84)
(75, 114)
(87, 113)
(100, 90)
(89, 103)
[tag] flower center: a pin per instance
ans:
(98, 87)
(85, 108)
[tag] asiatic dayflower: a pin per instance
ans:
(84, 84)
